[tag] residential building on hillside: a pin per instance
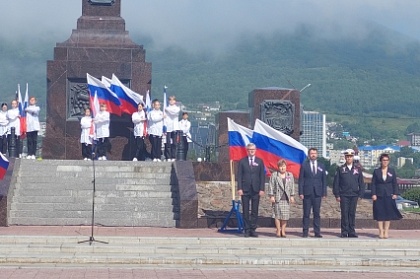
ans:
(336, 156)
(369, 155)
(314, 131)
(402, 160)
(414, 139)
(202, 135)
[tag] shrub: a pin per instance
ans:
(412, 194)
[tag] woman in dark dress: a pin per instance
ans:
(384, 193)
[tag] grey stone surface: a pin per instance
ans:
(127, 194)
(165, 251)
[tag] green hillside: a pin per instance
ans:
(376, 76)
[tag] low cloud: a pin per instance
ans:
(216, 24)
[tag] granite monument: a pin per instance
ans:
(99, 46)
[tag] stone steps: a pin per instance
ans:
(210, 251)
(54, 192)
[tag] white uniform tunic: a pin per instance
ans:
(3, 123)
(138, 119)
(32, 118)
(155, 121)
(185, 126)
(86, 124)
(102, 120)
(171, 120)
(14, 120)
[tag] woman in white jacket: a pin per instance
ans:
(32, 127)
(138, 118)
(13, 117)
(86, 136)
(3, 128)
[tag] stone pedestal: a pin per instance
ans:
(99, 46)
(278, 107)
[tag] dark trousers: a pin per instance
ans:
(156, 142)
(140, 149)
(348, 214)
(9, 138)
(250, 220)
(86, 150)
(103, 146)
(32, 138)
(3, 144)
(170, 145)
(185, 144)
(311, 202)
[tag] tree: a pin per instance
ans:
(407, 171)
(413, 128)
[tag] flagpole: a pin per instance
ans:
(232, 180)
(236, 204)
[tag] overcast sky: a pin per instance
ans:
(214, 23)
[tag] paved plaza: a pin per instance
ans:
(46, 271)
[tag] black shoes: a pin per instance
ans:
(318, 236)
(250, 234)
(305, 235)
(350, 235)
(253, 234)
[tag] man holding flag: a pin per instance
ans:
(251, 180)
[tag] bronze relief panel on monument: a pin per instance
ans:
(279, 114)
(77, 98)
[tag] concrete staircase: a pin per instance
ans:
(54, 192)
(319, 253)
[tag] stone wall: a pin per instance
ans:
(215, 201)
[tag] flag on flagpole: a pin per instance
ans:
(103, 94)
(274, 145)
(148, 102)
(128, 98)
(22, 105)
(148, 108)
(4, 164)
(164, 107)
(239, 136)
(106, 81)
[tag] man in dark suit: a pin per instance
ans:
(312, 187)
(251, 179)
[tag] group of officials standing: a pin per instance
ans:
(348, 189)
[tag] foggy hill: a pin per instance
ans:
(377, 75)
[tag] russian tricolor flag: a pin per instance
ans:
(128, 98)
(239, 137)
(23, 104)
(274, 145)
(4, 164)
(103, 94)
